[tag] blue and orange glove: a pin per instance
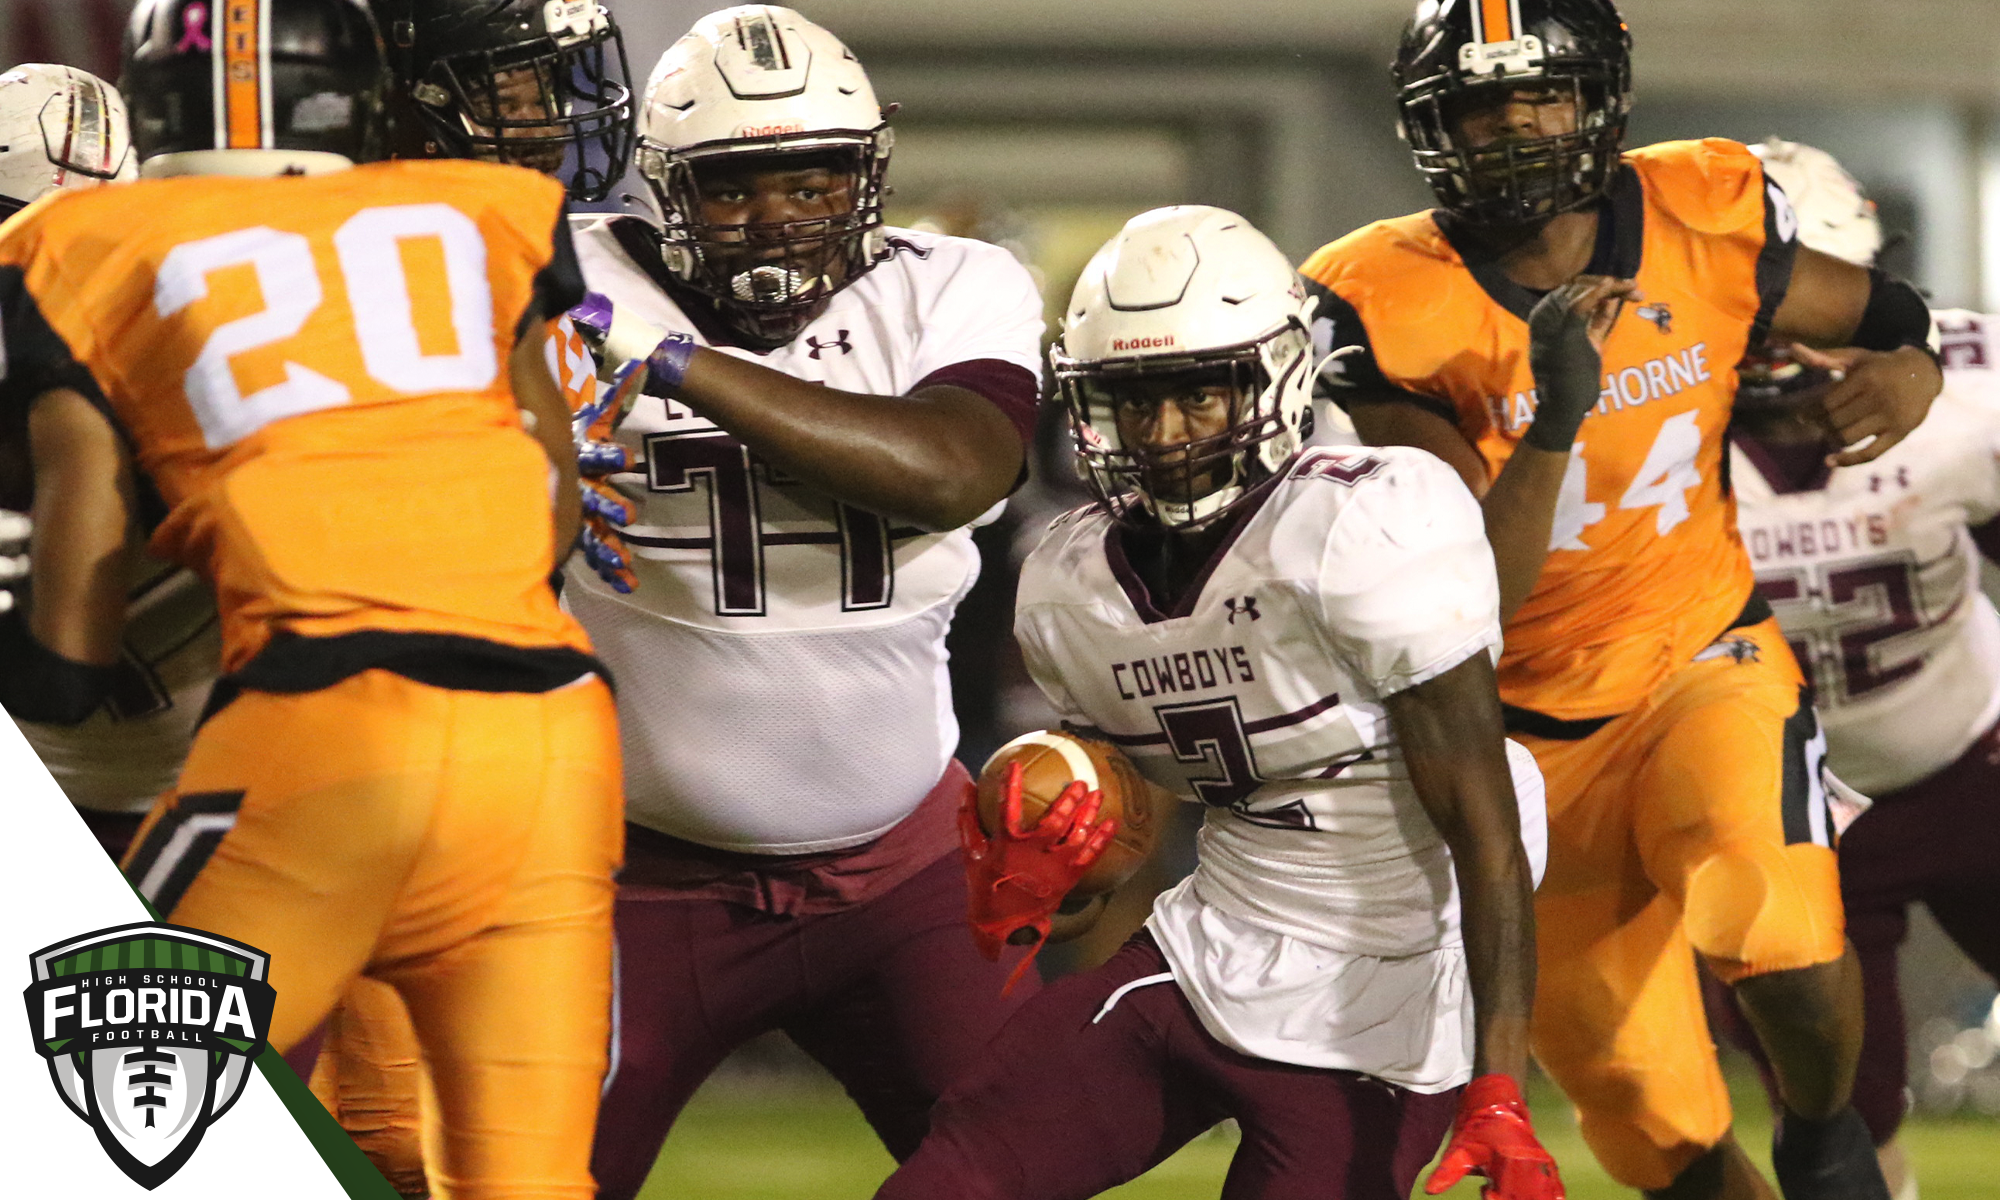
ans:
(640, 356)
(1491, 1137)
(622, 338)
(598, 458)
(1016, 878)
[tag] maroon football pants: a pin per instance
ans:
(1063, 1106)
(1936, 843)
(890, 996)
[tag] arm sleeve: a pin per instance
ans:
(1408, 589)
(1775, 256)
(34, 358)
(559, 284)
(1348, 373)
(1975, 393)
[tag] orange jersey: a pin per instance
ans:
(313, 371)
(1645, 566)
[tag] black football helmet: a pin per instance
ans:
(1777, 397)
(529, 82)
(202, 77)
(1455, 56)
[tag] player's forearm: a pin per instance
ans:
(936, 459)
(1449, 731)
(1498, 925)
(1520, 511)
(83, 513)
(540, 399)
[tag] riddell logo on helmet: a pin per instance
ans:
(1143, 343)
(770, 130)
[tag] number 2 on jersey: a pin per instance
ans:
(369, 246)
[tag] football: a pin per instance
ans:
(1050, 760)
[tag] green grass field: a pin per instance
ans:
(804, 1141)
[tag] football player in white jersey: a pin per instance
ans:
(1301, 641)
(61, 128)
(833, 404)
(1873, 572)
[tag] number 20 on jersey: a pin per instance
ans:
(452, 350)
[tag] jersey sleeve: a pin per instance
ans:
(982, 329)
(1041, 669)
(559, 284)
(34, 357)
(985, 307)
(1348, 373)
(1040, 586)
(1717, 187)
(1407, 584)
(1972, 395)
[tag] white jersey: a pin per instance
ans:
(781, 666)
(1875, 577)
(131, 750)
(1320, 926)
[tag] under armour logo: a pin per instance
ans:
(1247, 607)
(1659, 314)
(841, 342)
(1902, 480)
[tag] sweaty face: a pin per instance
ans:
(1495, 126)
(775, 225)
(1171, 424)
(1485, 117)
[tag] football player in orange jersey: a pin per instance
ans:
(545, 88)
(410, 770)
(1686, 803)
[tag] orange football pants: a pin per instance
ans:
(1695, 824)
(369, 1076)
(458, 846)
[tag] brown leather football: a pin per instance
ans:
(1050, 759)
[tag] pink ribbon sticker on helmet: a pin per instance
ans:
(194, 30)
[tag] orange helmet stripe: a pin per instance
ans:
(1495, 20)
(245, 85)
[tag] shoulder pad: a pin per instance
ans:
(1712, 185)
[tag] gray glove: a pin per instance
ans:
(1568, 370)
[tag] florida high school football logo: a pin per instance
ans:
(150, 1032)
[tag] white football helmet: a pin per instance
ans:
(59, 128)
(1835, 216)
(1183, 301)
(763, 80)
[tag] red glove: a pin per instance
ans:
(1016, 879)
(1491, 1136)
